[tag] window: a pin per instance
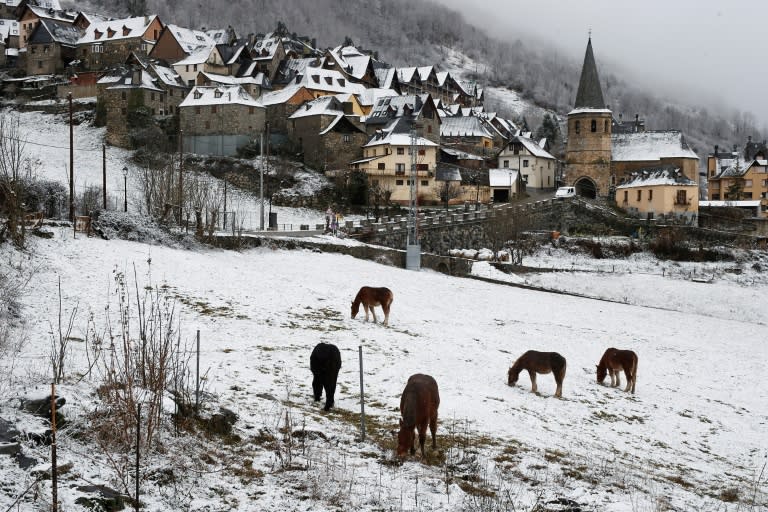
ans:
(639, 195)
(346, 138)
(194, 67)
(576, 128)
(505, 164)
(525, 163)
(213, 109)
(422, 167)
(399, 168)
(429, 128)
(549, 165)
(381, 167)
(251, 110)
(605, 126)
(123, 96)
(124, 111)
(46, 48)
(650, 195)
(97, 48)
(747, 183)
(680, 197)
(152, 96)
(422, 152)
(400, 151)
(197, 110)
(626, 196)
(39, 64)
(424, 183)
(593, 127)
(399, 182)
(186, 68)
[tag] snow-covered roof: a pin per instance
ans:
(384, 76)
(396, 139)
(53, 13)
(9, 28)
(533, 147)
(265, 48)
(325, 105)
(117, 29)
(649, 146)
(395, 106)
(128, 81)
(590, 110)
(260, 79)
(281, 96)
(57, 31)
(461, 155)
(503, 177)
(199, 56)
(219, 95)
(190, 40)
(755, 203)
(328, 80)
(370, 96)
(463, 127)
(167, 75)
(667, 175)
(354, 62)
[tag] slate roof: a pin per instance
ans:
(396, 137)
(533, 147)
(327, 80)
(52, 31)
(325, 105)
(53, 13)
(463, 127)
(354, 63)
(396, 106)
(124, 80)
(649, 146)
(654, 176)
(260, 79)
(445, 172)
(589, 94)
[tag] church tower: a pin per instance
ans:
(588, 152)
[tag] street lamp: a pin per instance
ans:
(509, 199)
(125, 189)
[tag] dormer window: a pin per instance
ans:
(342, 82)
(97, 34)
(198, 95)
(316, 79)
(126, 31)
(110, 33)
(328, 80)
(218, 93)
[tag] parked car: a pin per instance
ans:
(564, 192)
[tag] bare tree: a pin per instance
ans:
(448, 190)
(15, 175)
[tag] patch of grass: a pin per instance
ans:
(474, 490)
(554, 455)
(602, 415)
(679, 480)
(729, 495)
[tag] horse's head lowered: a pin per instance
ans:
(355, 308)
(602, 371)
(512, 376)
(405, 438)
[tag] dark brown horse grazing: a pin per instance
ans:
(371, 297)
(539, 362)
(418, 406)
(615, 360)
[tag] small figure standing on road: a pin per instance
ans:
(328, 217)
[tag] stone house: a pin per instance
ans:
(467, 134)
(354, 64)
(51, 47)
(387, 162)
(32, 14)
(282, 104)
(253, 85)
(204, 59)
(266, 52)
(124, 95)
(536, 165)
(9, 33)
(326, 136)
(220, 119)
(660, 192)
(110, 43)
(730, 179)
(419, 110)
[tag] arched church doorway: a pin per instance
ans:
(585, 187)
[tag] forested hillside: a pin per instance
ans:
(416, 33)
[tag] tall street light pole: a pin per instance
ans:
(125, 189)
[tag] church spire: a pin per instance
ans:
(589, 95)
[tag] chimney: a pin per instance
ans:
(136, 77)
(716, 148)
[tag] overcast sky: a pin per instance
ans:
(699, 48)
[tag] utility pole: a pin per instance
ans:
(181, 171)
(71, 164)
(54, 469)
(261, 181)
(413, 249)
(104, 175)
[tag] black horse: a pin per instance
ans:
(325, 363)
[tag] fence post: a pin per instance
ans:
(197, 376)
(54, 469)
(138, 451)
(362, 396)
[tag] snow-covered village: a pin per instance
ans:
(305, 262)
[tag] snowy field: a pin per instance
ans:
(693, 437)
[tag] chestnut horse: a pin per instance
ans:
(615, 360)
(418, 406)
(371, 297)
(539, 362)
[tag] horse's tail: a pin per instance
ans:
(634, 371)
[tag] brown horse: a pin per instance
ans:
(371, 297)
(615, 360)
(418, 406)
(539, 362)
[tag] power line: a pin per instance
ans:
(46, 145)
